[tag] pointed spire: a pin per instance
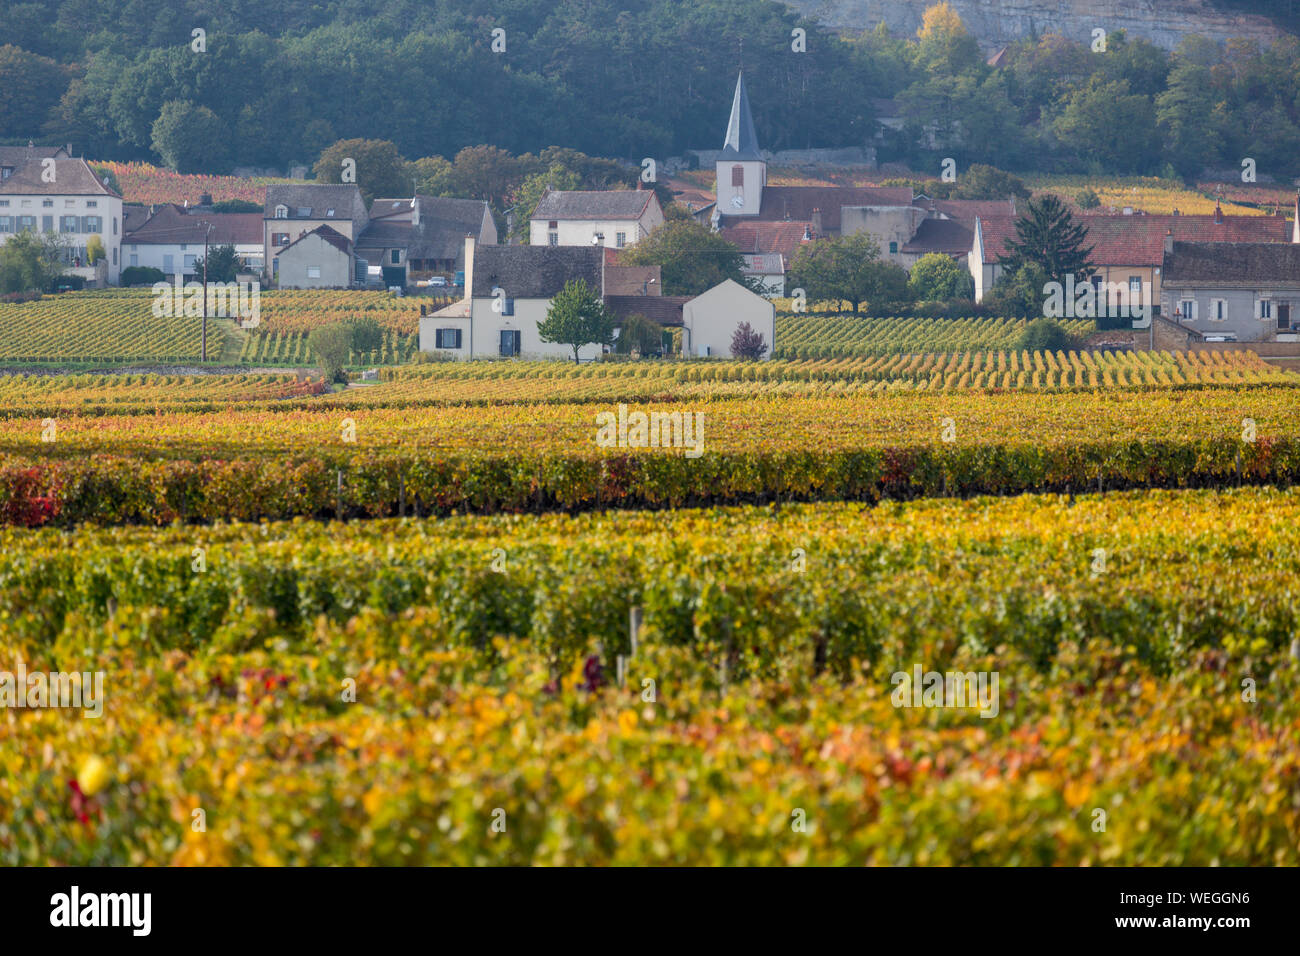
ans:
(741, 141)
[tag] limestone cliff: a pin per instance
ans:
(996, 22)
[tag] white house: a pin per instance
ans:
(292, 211)
(611, 218)
(63, 197)
(171, 239)
(710, 319)
(509, 291)
(321, 259)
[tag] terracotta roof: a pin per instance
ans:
(764, 237)
(664, 309)
(628, 204)
(949, 236)
(784, 203)
(1140, 240)
(1233, 264)
(630, 280)
(170, 224)
(535, 272)
(72, 177)
(330, 235)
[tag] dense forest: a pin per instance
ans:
(278, 83)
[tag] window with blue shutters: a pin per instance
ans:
(448, 338)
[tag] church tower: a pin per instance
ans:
(741, 171)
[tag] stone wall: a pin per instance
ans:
(998, 22)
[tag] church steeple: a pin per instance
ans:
(740, 168)
(741, 141)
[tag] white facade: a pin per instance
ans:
(73, 219)
(613, 233)
(173, 256)
(740, 186)
(711, 319)
(481, 332)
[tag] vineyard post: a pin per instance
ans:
(338, 495)
(401, 496)
(206, 234)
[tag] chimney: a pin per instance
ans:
(1218, 213)
(1169, 241)
(817, 222)
(68, 147)
(807, 234)
(469, 268)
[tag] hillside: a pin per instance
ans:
(996, 22)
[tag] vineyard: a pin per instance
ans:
(118, 325)
(147, 184)
(93, 327)
(809, 335)
(290, 348)
(375, 693)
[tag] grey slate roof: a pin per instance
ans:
(444, 223)
(332, 236)
(627, 204)
(941, 235)
(1232, 264)
(741, 141)
(17, 155)
(345, 200)
(664, 309)
(535, 272)
(72, 177)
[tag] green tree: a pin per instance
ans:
(191, 138)
(1044, 334)
(235, 205)
(1107, 123)
(988, 182)
(1046, 234)
(1019, 292)
(30, 87)
(640, 333)
(331, 345)
(29, 262)
(379, 168)
(530, 194)
(577, 317)
(223, 265)
(937, 278)
(846, 269)
(431, 176)
(692, 258)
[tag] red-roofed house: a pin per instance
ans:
(767, 248)
(1127, 250)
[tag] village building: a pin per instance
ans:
(614, 218)
(64, 198)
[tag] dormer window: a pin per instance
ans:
(329, 212)
(281, 212)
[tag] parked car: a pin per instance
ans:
(439, 282)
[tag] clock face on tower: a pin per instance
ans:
(738, 201)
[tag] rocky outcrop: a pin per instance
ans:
(997, 22)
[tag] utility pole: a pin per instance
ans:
(207, 232)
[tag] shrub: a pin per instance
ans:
(1044, 335)
(1087, 199)
(746, 343)
(142, 275)
(640, 333)
(367, 334)
(331, 345)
